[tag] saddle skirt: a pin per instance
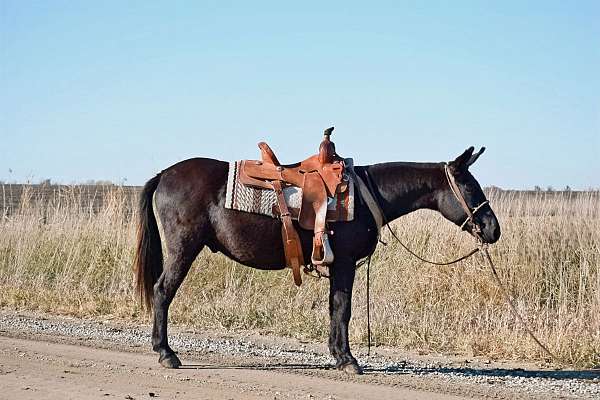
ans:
(264, 201)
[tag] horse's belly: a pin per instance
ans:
(250, 239)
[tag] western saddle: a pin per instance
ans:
(320, 177)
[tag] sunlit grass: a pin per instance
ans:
(60, 256)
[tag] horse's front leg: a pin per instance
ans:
(340, 304)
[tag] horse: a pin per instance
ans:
(182, 209)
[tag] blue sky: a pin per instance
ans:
(120, 90)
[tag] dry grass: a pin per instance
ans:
(61, 257)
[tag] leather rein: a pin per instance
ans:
(476, 231)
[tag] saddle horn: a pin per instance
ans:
(327, 148)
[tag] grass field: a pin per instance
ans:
(58, 254)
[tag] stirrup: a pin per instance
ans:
(317, 271)
(321, 242)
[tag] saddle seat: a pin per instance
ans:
(320, 177)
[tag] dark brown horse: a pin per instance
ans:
(187, 201)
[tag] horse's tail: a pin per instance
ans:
(148, 264)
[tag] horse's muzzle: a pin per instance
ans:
(490, 229)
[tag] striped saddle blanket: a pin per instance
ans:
(263, 201)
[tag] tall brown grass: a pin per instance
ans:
(60, 256)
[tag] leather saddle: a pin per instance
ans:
(320, 177)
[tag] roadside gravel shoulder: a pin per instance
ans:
(250, 351)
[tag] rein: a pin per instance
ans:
(483, 247)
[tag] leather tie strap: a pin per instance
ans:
(291, 241)
(482, 247)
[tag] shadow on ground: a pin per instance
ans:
(269, 367)
(411, 369)
(487, 372)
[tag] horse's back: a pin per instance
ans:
(195, 177)
(190, 202)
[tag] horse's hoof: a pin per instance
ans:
(170, 361)
(351, 368)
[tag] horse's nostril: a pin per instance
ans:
(496, 232)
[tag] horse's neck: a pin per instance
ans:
(405, 187)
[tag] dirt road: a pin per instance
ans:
(43, 370)
(45, 357)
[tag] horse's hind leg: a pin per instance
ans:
(176, 268)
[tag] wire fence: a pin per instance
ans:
(91, 198)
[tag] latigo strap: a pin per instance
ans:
(291, 241)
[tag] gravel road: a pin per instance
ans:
(44, 356)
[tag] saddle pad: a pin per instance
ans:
(263, 201)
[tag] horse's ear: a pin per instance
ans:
(462, 162)
(475, 156)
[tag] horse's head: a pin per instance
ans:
(461, 185)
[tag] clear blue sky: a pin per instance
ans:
(114, 90)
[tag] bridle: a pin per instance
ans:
(477, 231)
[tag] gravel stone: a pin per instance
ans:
(564, 383)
